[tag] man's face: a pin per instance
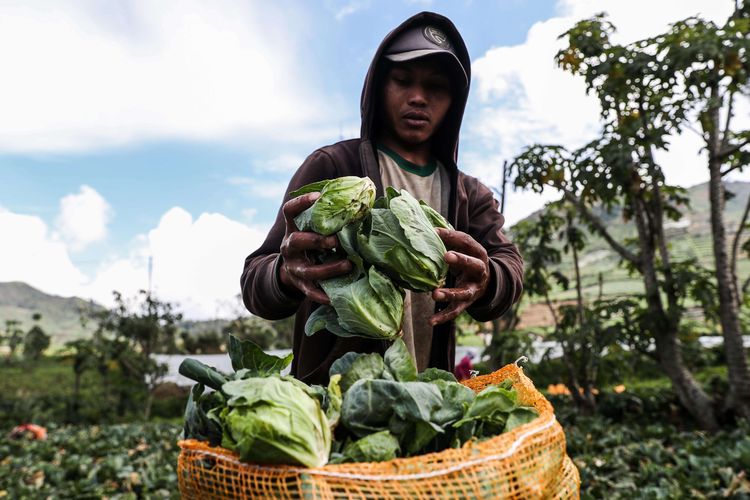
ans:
(416, 96)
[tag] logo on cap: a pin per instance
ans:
(437, 37)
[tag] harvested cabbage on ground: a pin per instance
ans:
(374, 408)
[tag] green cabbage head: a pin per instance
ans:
(399, 237)
(371, 306)
(342, 200)
(272, 420)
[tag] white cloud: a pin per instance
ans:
(83, 218)
(259, 188)
(77, 76)
(523, 98)
(31, 253)
(349, 8)
(196, 262)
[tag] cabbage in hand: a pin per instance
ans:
(342, 200)
(399, 238)
(371, 306)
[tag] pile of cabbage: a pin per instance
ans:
(374, 408)
(392, 244)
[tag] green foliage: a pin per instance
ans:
(13, 337)
(208, 342)
(267, 334)
(399, 362)
(363, 367)
(658, 460)
(424, 412)
(264, 417)
(128, 338)
(44, 391)
(249, 356)
(35, 342)
(202, 373)
(113, 461)
(377, 447)
(648, 91)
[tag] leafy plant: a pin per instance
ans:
(272, 420)
(342, 201)
(371, 306)
(424, 412)
(399, 238)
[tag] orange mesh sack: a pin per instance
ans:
(527, 462)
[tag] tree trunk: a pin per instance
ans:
(688, 391)
(738, 292)
(739, 376)
(588, 401)
(76, 396)
(148, 405)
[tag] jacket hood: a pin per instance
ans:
(445, 140)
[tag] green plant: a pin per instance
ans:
(342, 201)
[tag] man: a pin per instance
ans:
(412, 104)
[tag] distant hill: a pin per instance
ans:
(688, 238)
(60, 315)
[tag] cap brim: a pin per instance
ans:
(416, 54)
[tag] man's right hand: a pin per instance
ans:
(297, 270)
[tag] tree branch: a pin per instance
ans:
(600, 228)
(731, 150)
(725, 135)
(693, 129)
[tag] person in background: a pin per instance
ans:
(412, 106)
(464, 367)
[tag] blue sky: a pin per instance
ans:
(196, 175)
(148, 128)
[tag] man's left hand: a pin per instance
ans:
(468, 262)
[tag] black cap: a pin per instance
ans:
(422, 41)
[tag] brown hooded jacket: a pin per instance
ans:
(472, 209)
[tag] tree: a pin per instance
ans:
(205, 342)
(130, 338)
(713, 63)
(583, 330)
(13, 337)
(639, 110)
(36, 341)
(276, 334)
(686, 78)
(84, 357)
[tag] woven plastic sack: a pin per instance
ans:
(527, 462)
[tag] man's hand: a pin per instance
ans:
(468, 262)
(297, 269)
